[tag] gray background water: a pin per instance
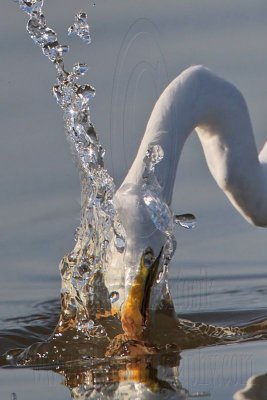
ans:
(137, 48)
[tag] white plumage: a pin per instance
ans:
(196, 99)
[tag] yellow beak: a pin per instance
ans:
(135, 309)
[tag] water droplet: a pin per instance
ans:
(72, 257)
(90, 324)
(169, 248)
(50, 50)
(80, 28)
(118, 228)
(47, 36)
(71, 31)
(148, 257)
(81, 16)
(160, 276)
(63, 76)
(114, 296)
(80, 69)
(54, 51)
(86, 91)
(62, 49)
(57, 93)
(187, 221)
(158, 210)
(100, 331)
(39, 32)
(154, 154)
(89, 156)
(83, 268)
(65, 96)
(31, 6)
(120, 243)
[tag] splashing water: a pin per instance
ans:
(84, 293)
(158, 210)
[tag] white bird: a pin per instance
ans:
(196, 99)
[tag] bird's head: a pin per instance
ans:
(144, 265)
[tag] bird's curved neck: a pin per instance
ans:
(200, 100)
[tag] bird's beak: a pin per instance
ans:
(135, 312)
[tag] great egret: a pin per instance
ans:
(196, 99)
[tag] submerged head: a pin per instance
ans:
(141, 302)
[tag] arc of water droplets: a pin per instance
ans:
(99, 222)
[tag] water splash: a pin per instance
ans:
(84, 293)
(158, 210)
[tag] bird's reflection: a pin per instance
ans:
(134, 371)
(143, 377)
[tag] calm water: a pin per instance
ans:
(219, 273)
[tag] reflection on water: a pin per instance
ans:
(143, 378)
(137, 372)
(133, 370)
(218, 371)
